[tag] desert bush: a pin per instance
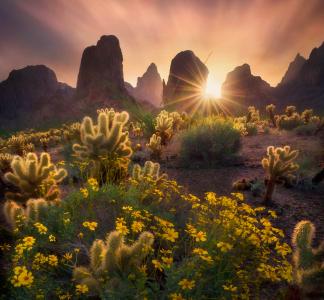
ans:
(306, 129)
(210, 141)
(251, 129)
(105, 147)
(34, 178)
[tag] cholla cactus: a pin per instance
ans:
(270, 110)
(19, 145)
(164, 124)
(5, 160)
(290, 110)
(279, 163)
(306, 115)
(105, 142)
(32, 211)
(155, 146)
(114, 260)
(253, 115)
(34, 178)
(150, 169)
(308, 262)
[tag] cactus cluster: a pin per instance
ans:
(105, 142)
(308, 262)
(113, 259)
(155, 146)
(150, 169)
(279, 164)
(34, 177)
(31, 211)
(19, 145)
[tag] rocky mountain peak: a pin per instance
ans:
(187, 77)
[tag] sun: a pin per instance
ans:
(213, 89)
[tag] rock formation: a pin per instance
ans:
(30, 95)
(293, 70)
(101, 71)
(186, 82)
(149, 87)
(243, 88)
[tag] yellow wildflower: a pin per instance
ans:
(81, 289)
(224, 247)
(170, 234)
(230, 288)
(157, 264)
(42, 229)
(22, 277)
(51, 238)
(176, 296)
(200, 236)
(137, 226)
(29, 241)
(186, 284)
(52, 260)
(84, 192)
(90, 225)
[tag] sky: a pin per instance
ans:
(267, 34)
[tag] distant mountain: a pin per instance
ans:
(293, 70)
(187, 78)
(244, 89)
(30, 95)
(302, 85)
(148, 88)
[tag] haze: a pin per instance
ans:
(267, 34)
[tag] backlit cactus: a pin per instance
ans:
(253, 115)
(308, 262)
(34, 177)
(150, 169)
(105, 142)
(113, 260)
(279, 163)
(270, 110)
(164, 125)
(155, 146)
(32, 211)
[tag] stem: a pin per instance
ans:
(270, 189)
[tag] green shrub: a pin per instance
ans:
(209, 141)
(307, 129)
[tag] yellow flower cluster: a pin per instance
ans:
(137, 226)
(90, 225)
(186, 284)
(199, 236)
(93, 184)
(41, 259)
(22, 277)
(121, 226)
(42, 229)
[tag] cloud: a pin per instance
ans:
(267, 34)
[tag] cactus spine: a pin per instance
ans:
(114, 260)
(308, 262)
(150, 169)
(34, 177)
(105, 142)
(279, 163)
